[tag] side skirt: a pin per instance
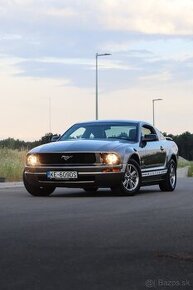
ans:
(153, 177)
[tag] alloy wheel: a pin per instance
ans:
(172, 175)
(131, 178)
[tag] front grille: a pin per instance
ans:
(67, 158)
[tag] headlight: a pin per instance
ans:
(32, 160)
(110, 158)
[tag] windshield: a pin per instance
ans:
(107, 131)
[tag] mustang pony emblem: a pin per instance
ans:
(65, 157)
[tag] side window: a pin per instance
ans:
(146, 130)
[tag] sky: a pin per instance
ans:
(47, 64)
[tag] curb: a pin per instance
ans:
(4, 185)
(182, 172)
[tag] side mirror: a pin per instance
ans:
(149, 138)
(55, 138)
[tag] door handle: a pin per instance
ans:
(161, 148)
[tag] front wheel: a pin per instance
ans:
(36, 190)
(169, 183)
(132, 179)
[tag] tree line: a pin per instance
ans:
(12, 143)
(184, 142)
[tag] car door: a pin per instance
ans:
(153, 154)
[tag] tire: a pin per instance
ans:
(131, 180)
(92, 189)
(36, 190)
(169, 183)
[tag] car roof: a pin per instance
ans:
(112, 121)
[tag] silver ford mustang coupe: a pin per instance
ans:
(121, 155)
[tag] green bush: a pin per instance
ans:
(184, 163)
(190, 170)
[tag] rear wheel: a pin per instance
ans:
(131, 180)
(36, 190)
(169, 183)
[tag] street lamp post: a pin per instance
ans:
(97, 55)
(50, 115)
(153, 102)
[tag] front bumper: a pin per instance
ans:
(100, 176)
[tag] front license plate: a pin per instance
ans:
(62, 175)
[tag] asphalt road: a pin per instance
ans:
(77, 240)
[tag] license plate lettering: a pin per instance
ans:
(62, 175)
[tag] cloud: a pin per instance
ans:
(159, 77)
(10, 36)
(65, 12)
(165, 17)
(89, 63)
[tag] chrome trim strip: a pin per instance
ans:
(79, 173)
(93, 173)
(154, 169)
(74, 167)
(67, 181)
(35, 173)
(154, 173)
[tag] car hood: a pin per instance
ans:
(81, 146)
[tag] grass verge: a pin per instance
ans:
(12, 164)
(183, 163)
(190, 170)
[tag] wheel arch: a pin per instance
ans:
(174, 158)
(135, 157)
